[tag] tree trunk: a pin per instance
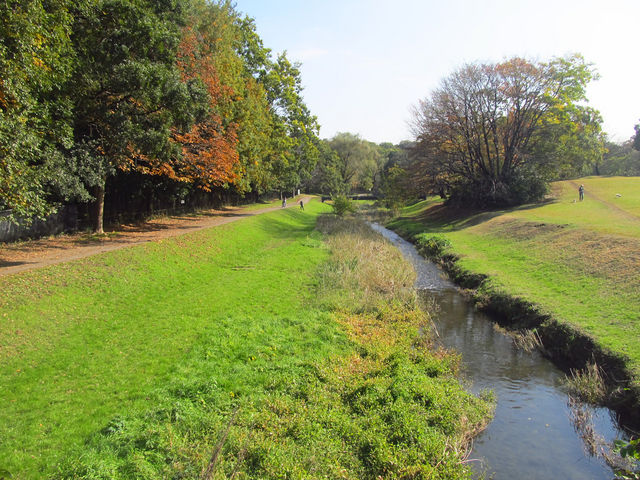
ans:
(97, 212)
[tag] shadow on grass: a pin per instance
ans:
(5, 264)
(438, 218)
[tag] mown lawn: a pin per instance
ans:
(141, 362)
(83, 341)
(579, 260)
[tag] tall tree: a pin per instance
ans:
(209, 150)
(295, 134)
(36, 57)
(395, 183)
(128, 91)
(636, 137)
(485, 135)
(358, 160)
(326, 177)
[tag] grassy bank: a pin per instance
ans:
(578, 261)
(237, 351)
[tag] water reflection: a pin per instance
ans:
(531, 435)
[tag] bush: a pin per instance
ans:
(432, 246)
(342, 204)
(523, 186)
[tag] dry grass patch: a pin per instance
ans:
(364, 269)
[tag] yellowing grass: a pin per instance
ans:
(601, 211)
(578, 260)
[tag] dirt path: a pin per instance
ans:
(22, 256)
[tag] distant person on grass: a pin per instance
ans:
(284, 202)
(301, 204)
(581, 192)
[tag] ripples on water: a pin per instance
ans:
(531, 435)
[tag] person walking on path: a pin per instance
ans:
(302, 204)
(284, 202)
(581, 192)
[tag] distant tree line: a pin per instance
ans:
(141, 105)
(147, 101)
(491, 135)
(349, 164)
(621, 158)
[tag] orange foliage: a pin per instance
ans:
(210, 157)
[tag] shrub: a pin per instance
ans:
(342, 204)
(432, 246)
(521, 187)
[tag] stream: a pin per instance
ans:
(531, 435)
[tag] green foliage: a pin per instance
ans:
(620, 159)
(296, 140)
(630, 449)
(357, 161)
(36, 57)
(432, 246)
(94, 87)
(569, 142)
(523, 185)
(288, 148)
(491, 130)
(396, 181)
(342, 205)
(326, 178)
(127, 88)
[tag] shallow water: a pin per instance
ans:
(532, 435)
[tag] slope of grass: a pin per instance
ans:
(82, 341)
(579, 260)
(145, 362)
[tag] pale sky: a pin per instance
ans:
(366, 62)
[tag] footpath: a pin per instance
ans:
(29, 255)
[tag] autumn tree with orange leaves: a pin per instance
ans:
(129, 95)
(210, 149)
(178, 98)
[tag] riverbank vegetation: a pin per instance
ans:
(576, 262)
(258, 349)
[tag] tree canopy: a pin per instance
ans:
(494, 134)
(35, 60)
(181, 90)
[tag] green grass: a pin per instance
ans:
(295, 201)
(83, 341)
(579, 260)
(131, 364)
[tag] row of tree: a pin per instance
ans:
(167, 100)
(181, 91)
(621, 158)
(490, 135)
